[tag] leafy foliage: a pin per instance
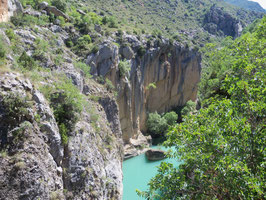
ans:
(84, 67)
(67, 104)
(157, 125)
(60, 4)
(2, 49)
(222, 146)
(124, 68)
(188, 108)
(26, 61)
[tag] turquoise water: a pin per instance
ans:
(137, 173)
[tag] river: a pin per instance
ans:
(137, 173)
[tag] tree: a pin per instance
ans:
(60, 4)
(222, 146)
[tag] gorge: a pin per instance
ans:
(77, 86)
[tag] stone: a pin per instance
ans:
(81, 12)
(127, 52)
(43, 5)
(155, 154)
(56, 29)
(56, 12)
(31, 12)
(97, 28)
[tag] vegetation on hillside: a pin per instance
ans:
(246, 4)
(222, 146)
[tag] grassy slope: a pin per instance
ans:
(182, 18)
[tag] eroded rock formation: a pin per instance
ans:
(165, 77)
(218, 20)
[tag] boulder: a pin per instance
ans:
(56, 12)
(127, 52)
(155, 154)
(43, 5)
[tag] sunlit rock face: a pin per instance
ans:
(164, 77)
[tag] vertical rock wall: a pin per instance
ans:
(173, 69)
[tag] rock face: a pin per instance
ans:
(8, 8)
(218, 20)
(31, 151)
(173, 71)
(155, 154)
(34, 162)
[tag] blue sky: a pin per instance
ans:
(261, 2)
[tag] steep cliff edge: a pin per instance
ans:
(160, 78)
(34, 162)
(39, 159)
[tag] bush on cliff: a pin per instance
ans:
(67, 104)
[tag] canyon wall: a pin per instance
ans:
(163, 78)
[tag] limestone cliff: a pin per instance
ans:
(164, 77)
(35, 163)
(8, 8)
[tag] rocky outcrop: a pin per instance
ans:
(155, 154)
(52, 10)
(9, 8)
(30, 143)
(218, 21)
(34, 162)
(164, 77)
(39, 165)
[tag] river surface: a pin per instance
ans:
(137, 173)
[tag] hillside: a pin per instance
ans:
(183, 19)
(246, 4)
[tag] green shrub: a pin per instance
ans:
(10, 34)
(26, 61)
(41, 47)
(95, 49)
(109, 85)
(84, 67)
(67, 104)
(32, 3)
(156, 124)
(60, 4)
(27, 20)
(112, 22)
(16, 108)
(141, 51)
(188, 108)
(2, 49)
(82, 45)
(124, 68)
(171, 118)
